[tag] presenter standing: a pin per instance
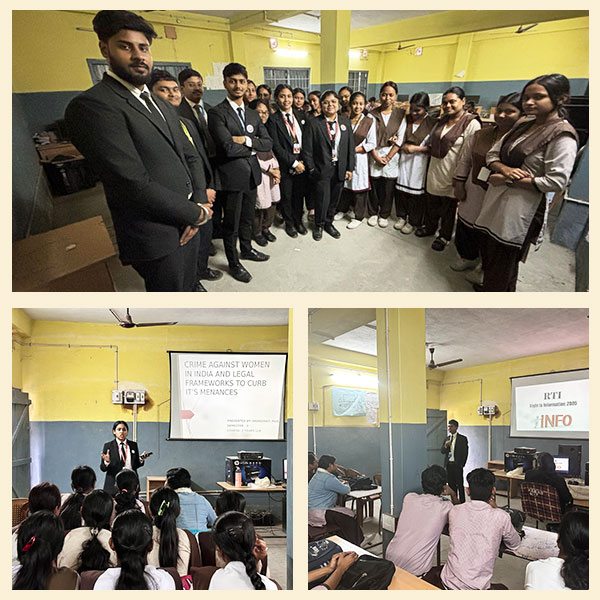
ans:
(119, 454)
(456, 449)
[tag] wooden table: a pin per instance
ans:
(513, 480)
(231, 488)
(362, 497)
(402, 580)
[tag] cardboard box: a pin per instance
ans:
(68, 259)
(48, 151)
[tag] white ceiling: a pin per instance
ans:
(222, 317)
(477, 335)
(310, 20)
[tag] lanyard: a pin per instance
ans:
(332, 139)
(291, 128)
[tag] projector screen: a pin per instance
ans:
(552, 405)
(227, 396)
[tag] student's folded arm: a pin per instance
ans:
(261, 141)
(558, 164)
(223, 138)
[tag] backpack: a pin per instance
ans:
(360, 483)
(368, 573)
(517, 517)
(320, 553)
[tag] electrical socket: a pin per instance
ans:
(314, 406)
(116, 397)
(388, 522)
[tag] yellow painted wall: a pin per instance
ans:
(21, 330)
(461, 400)
(75, 384)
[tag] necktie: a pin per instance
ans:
(187, 133)
(199, 113)
(123, 454)
(289, 119)
(331, 127)
(240, 111)
(156, 116)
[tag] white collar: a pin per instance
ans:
(235, 106)
(324, 471)
(192, 104)
(134, 90)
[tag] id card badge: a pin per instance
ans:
(484, 174)
(297, 148)
(333, 155)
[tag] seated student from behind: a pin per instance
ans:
(421, 523)
(476, 530)
(546, 473)
(324, 487)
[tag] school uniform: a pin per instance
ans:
(183, 551)
(70, 555)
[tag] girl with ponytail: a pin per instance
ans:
(39, 542)
(83, 480)
(570, 570)
(128, 486)
(234, 538)
(132, 541)
(171, 545)
(86, 548)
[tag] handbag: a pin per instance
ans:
(368, 573)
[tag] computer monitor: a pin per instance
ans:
(562, 465)
(285, 469)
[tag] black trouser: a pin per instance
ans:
(263, 219)
(455, 479)
(327, 197)
(381, 196)
(217, 217)
(356, 200)
(440, 208)
(467, 240)
(500, 264)
(238, 215)
(175, 272)
(205, 234)
(350, 530)
(292, 198)
(410, 207)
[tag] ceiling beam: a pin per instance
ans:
(248, 18)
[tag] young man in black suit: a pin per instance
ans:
(456, 451)
(329, 156)
(164, 85)
(286, 127)
(239, 134)
(153, 179)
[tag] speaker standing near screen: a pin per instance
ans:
(119, 454)
(456, 449)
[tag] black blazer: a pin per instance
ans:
(316, 147)
(116, 464)
(283, 144)
(186, 111)
(461, 451)
(199, 146)
(237, 169)
(148, 171)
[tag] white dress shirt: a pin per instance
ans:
(137, 92)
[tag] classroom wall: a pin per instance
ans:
(70, 393)
(461, 400)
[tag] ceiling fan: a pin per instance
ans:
(433, 365)
(127, 322)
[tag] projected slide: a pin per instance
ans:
(227, 396)
(551, 405)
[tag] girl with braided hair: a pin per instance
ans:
(234, 538)
(171, 544)
(39, 542)
(83, 480)
(86, 548)
(132, 541)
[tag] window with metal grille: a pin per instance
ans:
(293, 77)
(358, 80)
(98, 67)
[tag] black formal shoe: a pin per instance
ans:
(301, 229)
(212, 251)
(198, 287)
(332, 231)
(439, 244)
(317, 233)
(254, 255)
(291, 231)
(269, 236)
(422, 232)
(239, 272)
(211, 274)
(261, 240)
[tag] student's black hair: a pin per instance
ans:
(266, 87)
(161, 75)
(391, 84)
(312, 457)
(433, 480)
(108, 22)
(132, 536)
(96, 512)
(234, 69)
(128, 486)
(164, 505)
(545, 462)
(316, 93)
(251, 82)
(455, 90)
(420, 99)
(345, 87)
(574, 540)
(328, 93)
(178, 477)
(184, 75)
(326, 460)
(481, 483)
(117, 423)
(230, 500)
(254, 103)
(453, 422)
(372, 99)
(279, 88)
(298, 91)
(39, 541)
(83, 479)
(557, 86)
(233, 533)
(356, 95)
(514, 99)
(44, 496)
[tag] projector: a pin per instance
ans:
(525, 450)
(249, 455)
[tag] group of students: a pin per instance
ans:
(91, 539)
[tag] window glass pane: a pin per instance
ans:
(98, 67)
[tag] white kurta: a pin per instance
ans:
(360, 175)
(412, 169)
(389, 171)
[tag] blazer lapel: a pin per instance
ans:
(233, 116)
(325, 131)
(280, 120)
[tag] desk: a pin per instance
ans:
(362, 497)
(402, 580)
(231, 488)
(513, 482)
